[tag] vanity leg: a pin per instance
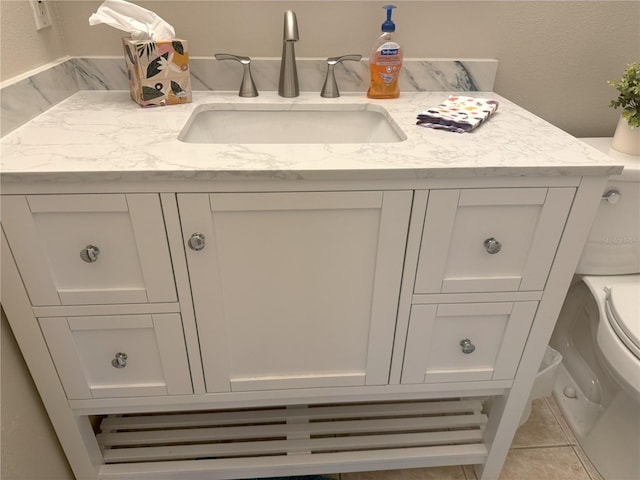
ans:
(75, 433)
(506, 411)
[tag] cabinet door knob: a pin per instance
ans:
(90, 253)
(492, 245)
(120, 360)
(196, 242)
(467, 346)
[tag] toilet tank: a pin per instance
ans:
(613, 246)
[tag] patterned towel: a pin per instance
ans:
(458, 114)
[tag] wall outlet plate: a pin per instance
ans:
(41, 14)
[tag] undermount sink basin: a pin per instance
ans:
(276, 123)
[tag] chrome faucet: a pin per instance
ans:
(288, 86)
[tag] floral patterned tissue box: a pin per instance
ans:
(158, 71)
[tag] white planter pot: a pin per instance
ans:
(626, 139)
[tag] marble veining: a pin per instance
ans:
(208, 74)
(101, 74)
(24, 100)
(451, 76)
(104, 136)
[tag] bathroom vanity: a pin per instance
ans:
(244, 310)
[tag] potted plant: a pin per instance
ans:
(626, 138)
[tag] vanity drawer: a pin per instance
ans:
(119, 356)
(466, 342)
(90, 249)
(490, 240)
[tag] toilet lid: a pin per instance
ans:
(623, 312)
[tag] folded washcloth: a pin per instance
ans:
(458, 114)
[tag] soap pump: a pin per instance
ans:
(385, 61)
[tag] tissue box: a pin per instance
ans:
(158, 71)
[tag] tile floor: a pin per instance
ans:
(544, 448)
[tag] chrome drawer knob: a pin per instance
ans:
(196, 242)
(492, 245)
(467, 346)
(120, 360)
(90, 253)
(612, 196)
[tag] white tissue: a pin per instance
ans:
(141, 23)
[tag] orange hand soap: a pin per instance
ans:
(385, 61)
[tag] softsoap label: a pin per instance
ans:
(387, 62)
(389, 49)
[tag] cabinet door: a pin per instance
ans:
(295, 290)
(466, 342)
(90, 249)
(119, 356)
(490, 240)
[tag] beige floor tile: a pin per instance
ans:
(591, 470)
(432, 473)
(541, 429)
(556, 463)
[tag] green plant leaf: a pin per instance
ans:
(628, 87)
(149, 93)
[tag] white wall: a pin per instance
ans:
(30, 449)
(22, 47)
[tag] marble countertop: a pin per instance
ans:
(105, 135)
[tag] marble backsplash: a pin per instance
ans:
(23, 100)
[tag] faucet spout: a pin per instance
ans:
(288, 85)
(290, 27)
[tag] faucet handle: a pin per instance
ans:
(247, 87)
(330, 87)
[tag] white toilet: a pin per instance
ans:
(598, 331)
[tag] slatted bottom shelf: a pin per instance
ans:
(439, 432)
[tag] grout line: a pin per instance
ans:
(537, 447)
(566, 429)
(570, 442)
(592, 472)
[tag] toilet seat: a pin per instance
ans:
(622, 362)
(622, 306)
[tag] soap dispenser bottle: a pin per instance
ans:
(385, 61)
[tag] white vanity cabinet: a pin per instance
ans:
(238, 334)
(230, 311)
(295, 290)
